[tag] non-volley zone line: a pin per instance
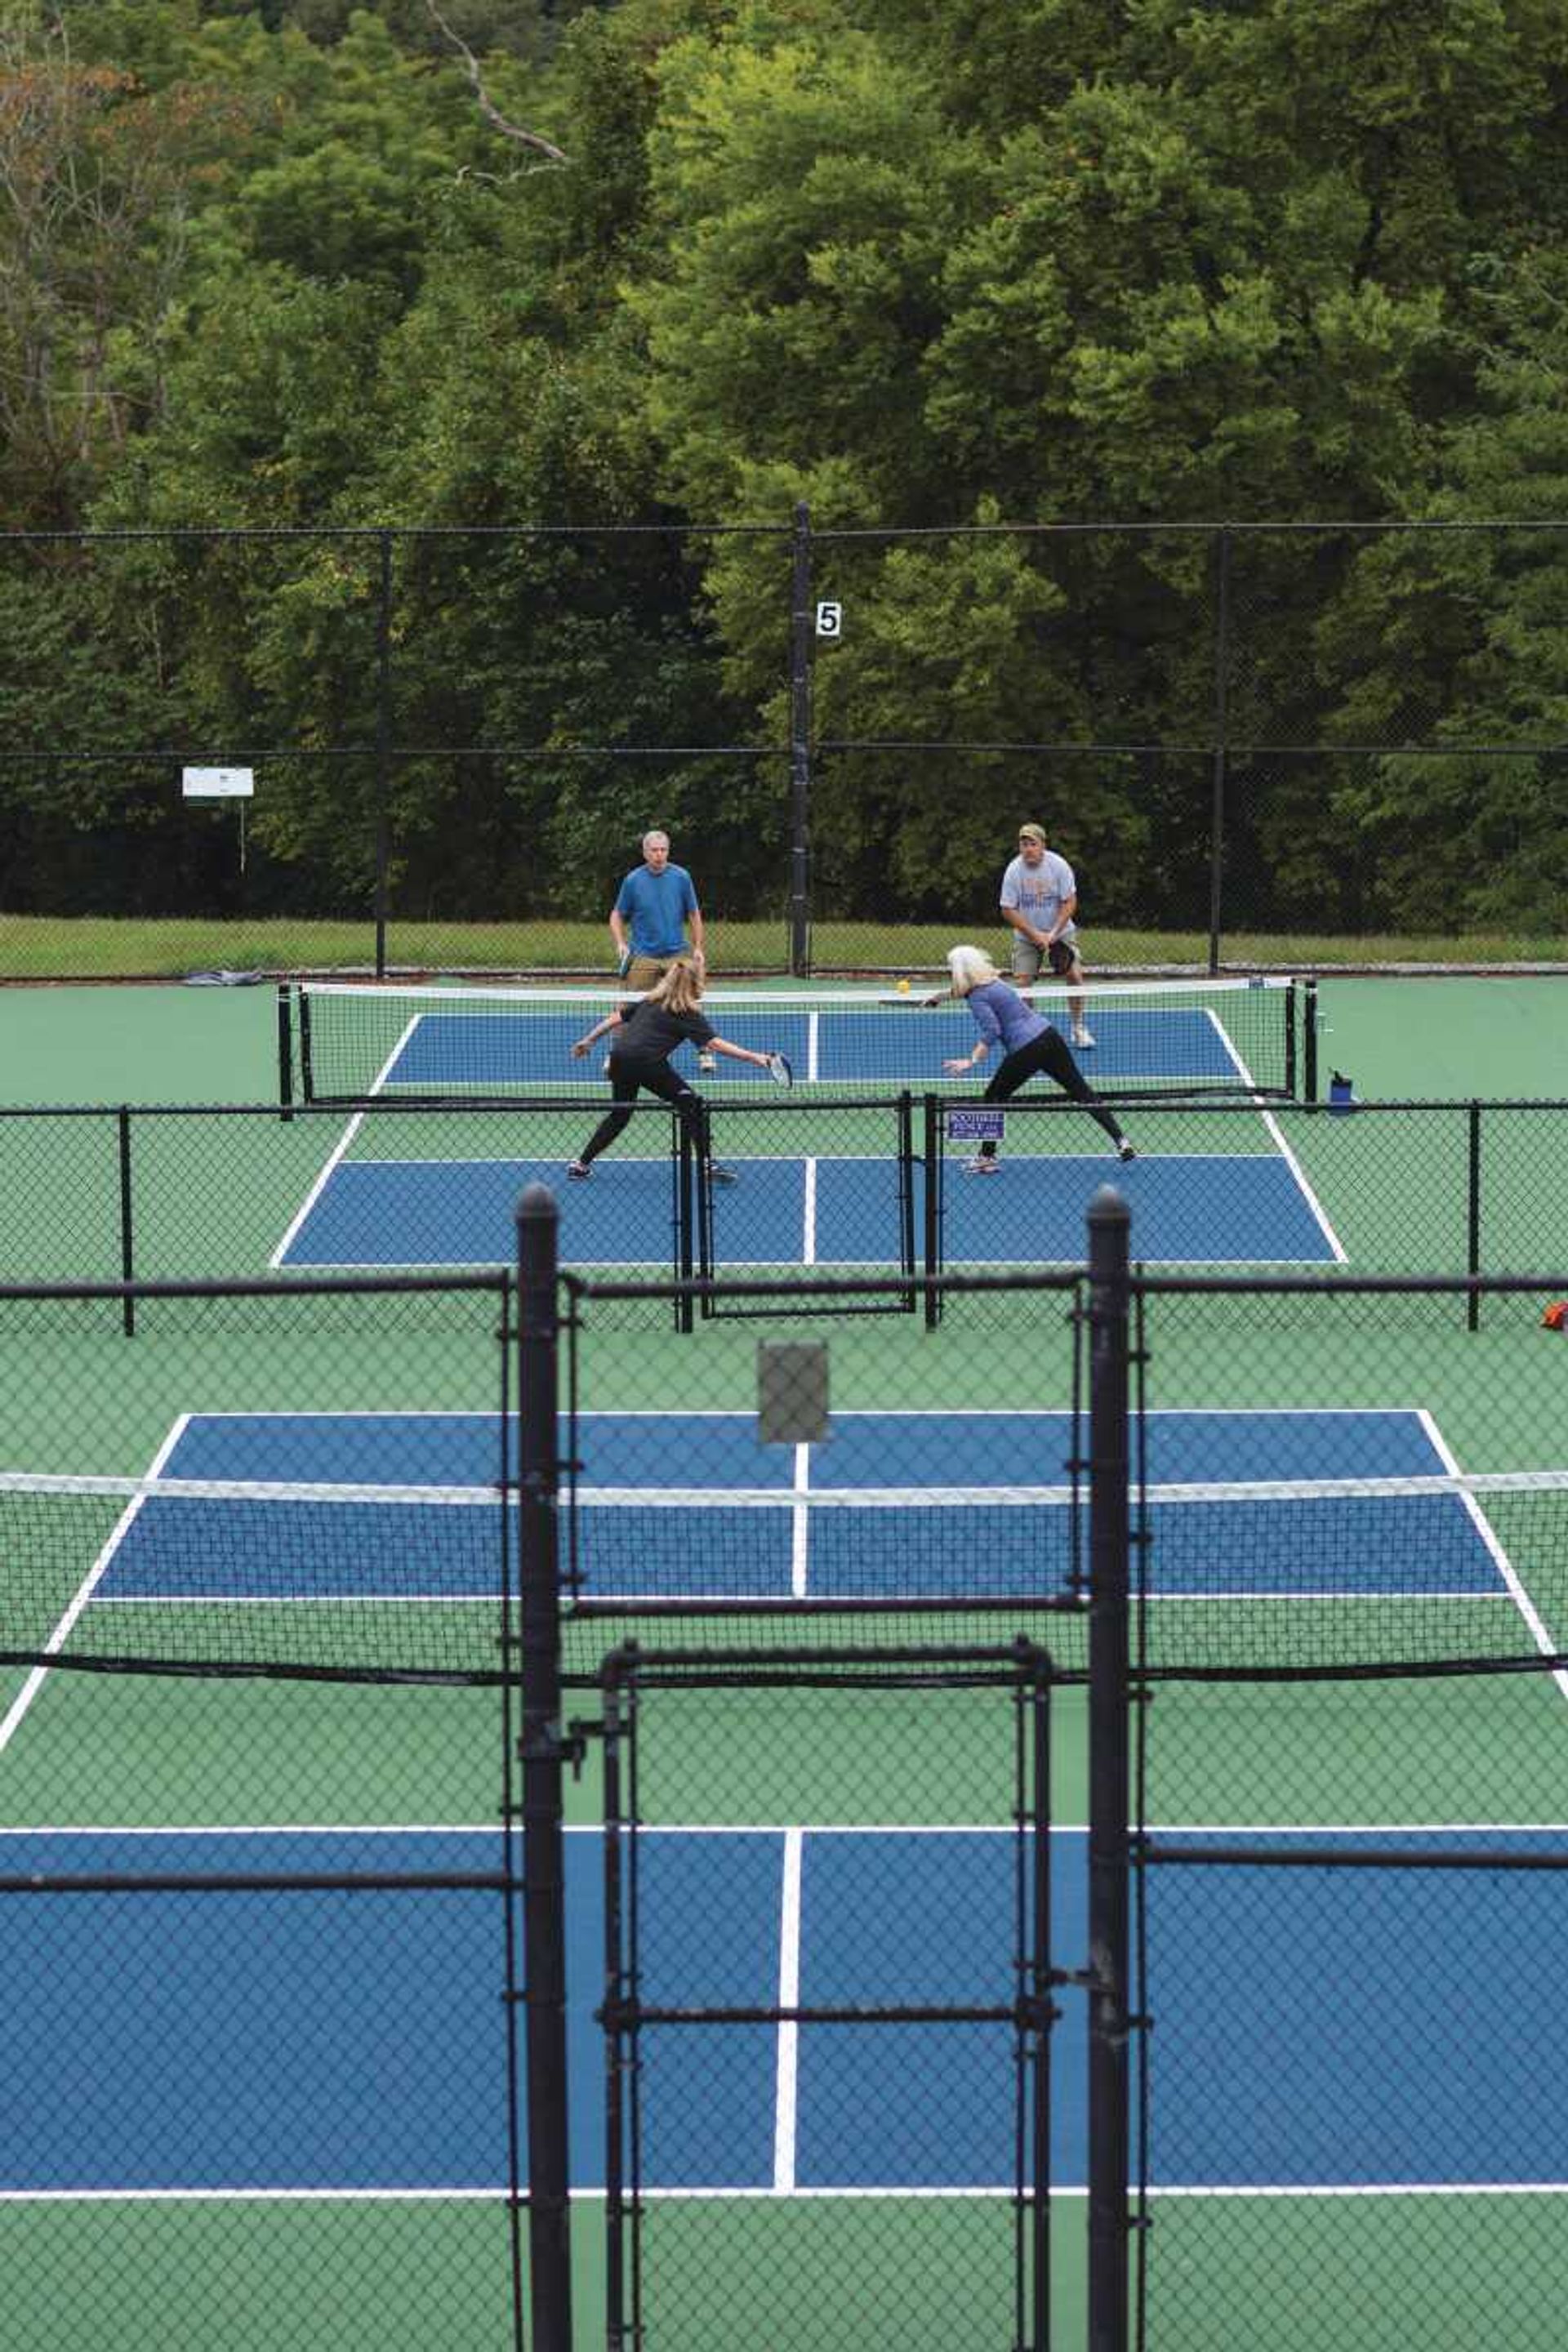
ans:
(402, 1509)
(190, 2075)
(1207, 1209)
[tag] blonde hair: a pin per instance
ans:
(680, 990)
(971, 968)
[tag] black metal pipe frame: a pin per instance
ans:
(1109, 1843)
(543, 1758)
(1221, 743)
(800, 746)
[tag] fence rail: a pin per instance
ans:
(458, 736)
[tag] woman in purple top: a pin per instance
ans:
(1029, 1044)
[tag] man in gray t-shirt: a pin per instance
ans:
(1039, 896)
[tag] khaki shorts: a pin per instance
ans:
(644, 971)
(1027, 957)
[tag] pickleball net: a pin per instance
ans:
(1250, 1577)
(382, 1581)
(363, 1581)
(342, 1042)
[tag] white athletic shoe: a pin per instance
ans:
(1080, 1035)
(1124, 1150)
(982, 1166)
(578, 1174)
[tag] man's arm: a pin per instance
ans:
(1020, 922)
(618, 922)
(1012, 912)
(1064, 916)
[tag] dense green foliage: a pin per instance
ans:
(928, 264)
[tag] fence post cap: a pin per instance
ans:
(538, 1201)
(1109, 1207)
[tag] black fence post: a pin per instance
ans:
(800, 746)
(1109, 1776)
(686, 1261)
(382, 747)
(126, 1221)
(285, 1051)
(931, 1223)
(1221, 745)
(1473, 1215)
(543, 1758)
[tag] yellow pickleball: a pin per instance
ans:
(903, 988)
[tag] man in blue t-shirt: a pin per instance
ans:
(648, 920)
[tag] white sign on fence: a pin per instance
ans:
(219, 783)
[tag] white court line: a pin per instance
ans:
(313, 1195)
(1539, 1633)
(786, 2097)
(800, 1528)
(813, 1046)
(716, 2192)
(1273, 1129)
(808, 1226)
(377, 1086)
(11, 1722)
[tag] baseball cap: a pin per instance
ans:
(1032, 833)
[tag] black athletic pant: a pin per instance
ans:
(1047, 1053)
(628, 1074)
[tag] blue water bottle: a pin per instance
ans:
(1341, 1094)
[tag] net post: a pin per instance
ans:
(1221, 741)
(285, 1053)
(1310, 1042)
(127, 1220)
(1109, 1776)
(932, 1117)
(800, 745)
(542, 1755)
(307, 1070)
(1473, 1213)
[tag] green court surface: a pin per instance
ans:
(100, 1751)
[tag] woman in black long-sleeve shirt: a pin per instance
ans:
(645, 1034)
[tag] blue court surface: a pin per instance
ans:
(982, 1509)
(310, 2056)
(453, 1052)
(1242, 1209)
(1190, 1209)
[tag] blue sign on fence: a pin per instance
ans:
(976, 1126)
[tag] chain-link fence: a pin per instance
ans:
(1040, 1821)
(1251, 742)
(809, 1192)
(1348, 1664)
(258, 1889)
